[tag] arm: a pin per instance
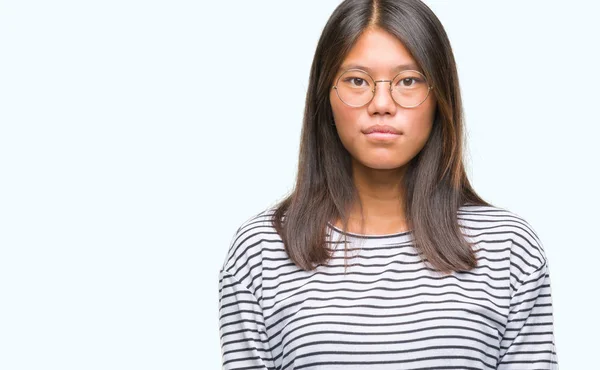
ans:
(244, 342)
(528, 341)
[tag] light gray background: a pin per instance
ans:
(136, 136)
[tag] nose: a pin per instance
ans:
(382, 102)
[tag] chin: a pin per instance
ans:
(383, 165)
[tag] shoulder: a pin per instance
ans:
(246, 240)
(493, 224)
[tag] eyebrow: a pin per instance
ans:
(398, 68)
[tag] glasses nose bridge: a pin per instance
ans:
(376, 81)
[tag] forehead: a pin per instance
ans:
(377, 51)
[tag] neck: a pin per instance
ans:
(381, 193)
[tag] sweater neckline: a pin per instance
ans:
(394, 237)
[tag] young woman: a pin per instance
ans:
(383, 256)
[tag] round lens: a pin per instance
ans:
(355, 88)
(410, 88)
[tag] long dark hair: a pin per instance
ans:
(435, 181)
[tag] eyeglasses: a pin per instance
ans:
(356, 88)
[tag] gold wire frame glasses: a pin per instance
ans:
(356, 88)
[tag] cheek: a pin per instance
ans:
(346, 120)
(417, 133)
(424, 124)
(420, 125)
(336, 107)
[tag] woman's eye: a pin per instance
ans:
(408, 82)
(356, 81)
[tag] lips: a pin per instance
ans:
(385, 129)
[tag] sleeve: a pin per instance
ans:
(244, 342)
(528, 340)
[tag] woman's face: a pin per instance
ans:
(379, 53)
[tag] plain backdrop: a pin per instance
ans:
(136, 136)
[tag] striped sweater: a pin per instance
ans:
(388, 310)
